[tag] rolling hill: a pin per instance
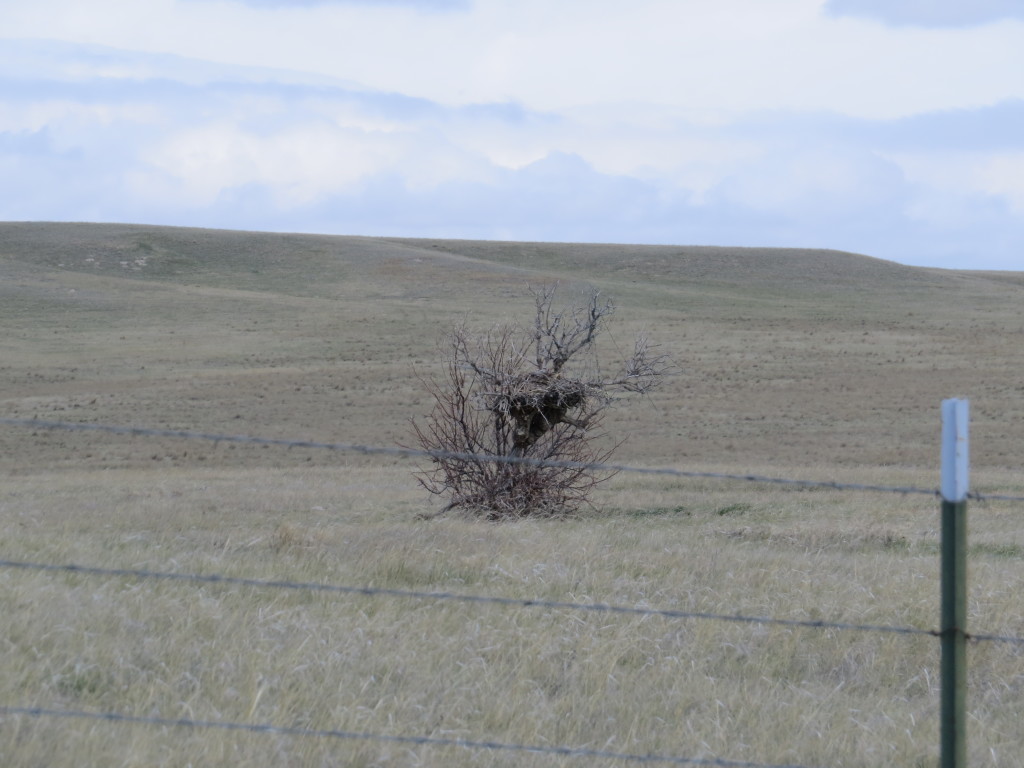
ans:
(788, 357)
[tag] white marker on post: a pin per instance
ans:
(955, 450)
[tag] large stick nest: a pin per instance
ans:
(537, 402)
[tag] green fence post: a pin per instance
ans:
(955, 466)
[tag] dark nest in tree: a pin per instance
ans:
(513, 433)
(536, 402)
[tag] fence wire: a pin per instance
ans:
(366, 591)
(433, 741)
(455, 597)
(563, 751)
(371, 450)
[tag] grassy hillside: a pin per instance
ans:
(787, 356)
(811, 364)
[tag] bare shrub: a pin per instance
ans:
(528, 395)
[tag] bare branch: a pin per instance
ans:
(558, 335)
(644, 371)
(493, 400)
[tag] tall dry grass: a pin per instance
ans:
(521, 675)
(804, 364)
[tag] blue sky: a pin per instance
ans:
(893, 128)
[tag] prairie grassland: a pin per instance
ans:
(824, 366)
(536, 676)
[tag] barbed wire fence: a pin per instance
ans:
(434, 741)
(564, 751)
(454, 597)
(372, 450)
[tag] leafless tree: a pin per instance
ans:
(529, 395)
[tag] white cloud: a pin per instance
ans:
(1002, 174)
(299, 163)
(928, 13)
(70, 118)
(731, 55)
(816, 182)
(953, 177)
(419, 5)
(740, 122)
(304, 161)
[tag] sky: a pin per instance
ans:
(891, 128)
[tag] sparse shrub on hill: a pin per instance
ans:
(527, 393)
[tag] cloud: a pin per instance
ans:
(562, 198)
(420, 5)
(928, 13)
(729, 56)
(106, 135)
(823, 183)
(994, 127)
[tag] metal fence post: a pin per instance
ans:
(955, 479)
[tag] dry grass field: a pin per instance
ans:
(806, 364)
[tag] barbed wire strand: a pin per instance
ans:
(983, 638)
(452, 596)
(367, 591)
(418, 453)
(433, 741)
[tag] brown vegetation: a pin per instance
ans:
(534, 394)
(798, 363)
